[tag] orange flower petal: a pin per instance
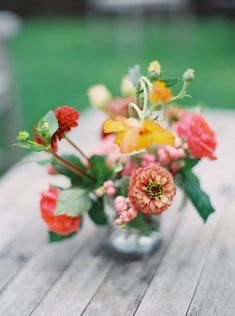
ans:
(127, 140)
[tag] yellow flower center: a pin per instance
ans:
(154, 189)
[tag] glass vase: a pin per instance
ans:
(140, 236)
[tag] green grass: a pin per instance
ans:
(57, 60)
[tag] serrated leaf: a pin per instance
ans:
(97, 213)
(189, 182)
(51, 119)
(170, 82)
(134, 74)
(54, 237)
(73, 202)
(124, 185)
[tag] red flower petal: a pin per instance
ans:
(61, 224)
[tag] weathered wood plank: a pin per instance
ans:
(113, 287)
(15, 259)
(174, 284)
(19, 251)
(79, 282)
(35, 279)
(79, 294)
(19, 195)
(214, 295)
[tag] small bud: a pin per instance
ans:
(100, 191)
(111, 191)
(108, 184)
(44, 128)
(188, 76)
(154, 70)
(99, 96)
(52, 170)
(127, 88)
(23, 136)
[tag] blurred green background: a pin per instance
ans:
(56, 60)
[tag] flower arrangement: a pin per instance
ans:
(148, 149)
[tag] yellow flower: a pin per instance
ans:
(135, 135)
(159, 93)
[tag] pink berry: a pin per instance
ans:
(108, 184)
(99, 192)
(132, 213)
(111, 191)
(174, 154)
(163, 157)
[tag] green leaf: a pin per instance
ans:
(189, 182)
(54, 237)
(30, 145)
(97, 213)
(99, 170)
(51, 119)
(125, 185)
(190, 163)
(170, 82)
(73, 202)
(134, 74)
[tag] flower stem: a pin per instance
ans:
(145, 91)
(135, 107)
(181, 94)
(71, 166)
(78, 149)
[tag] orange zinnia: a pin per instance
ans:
(135, 135)
(159, 93)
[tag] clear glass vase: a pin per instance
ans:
(140, 236)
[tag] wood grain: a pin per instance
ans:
(191, 273)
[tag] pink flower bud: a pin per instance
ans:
(132, 213)
(111, 191)
(163, 157)
(120, 204)
(175, 167)
(52, 170)
(174, 154)
(108, 184)
(147, 159)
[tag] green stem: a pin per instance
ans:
(71, 166)
(78, 149)
(181, 94)
(145, 98)
(135, 107)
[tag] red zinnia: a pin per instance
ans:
(61, 224)
(67, 118)
(200, 137)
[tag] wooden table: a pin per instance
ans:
(191, 273)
